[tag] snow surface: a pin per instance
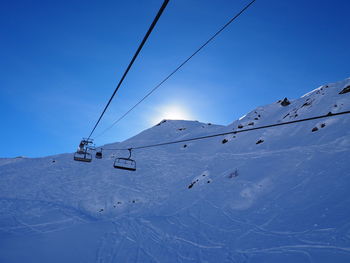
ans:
(285, 199)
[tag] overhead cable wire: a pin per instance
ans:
(178, 68)
(328, 115)
(155, 20)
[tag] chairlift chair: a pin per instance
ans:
(82, 153)
(98, 154)
(83, 156)
(125, 163)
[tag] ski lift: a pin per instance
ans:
(125, 163)
(83, 156)
(82, 153)
(98, 154)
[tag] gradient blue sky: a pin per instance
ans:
(60, 62)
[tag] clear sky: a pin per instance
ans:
(61, 60)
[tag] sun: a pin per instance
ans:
(171, 112)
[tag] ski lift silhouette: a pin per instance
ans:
(82, 154)
(125, 163)
(98, 154)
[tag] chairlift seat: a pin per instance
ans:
(125, 164)
(98, 155)
(82, 157)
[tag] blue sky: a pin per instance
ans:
(61, 60)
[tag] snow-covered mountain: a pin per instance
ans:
(274, 195)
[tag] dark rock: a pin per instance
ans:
(224, 141)
(185, 145)
(191, 185)
(285, 102)
(208, 182)
(163, 121)
(314, 129)
(251, 123)
(259, 141)
(345, 90)
(286, 116)
(308, 103)
(240, 126)
(323, 125)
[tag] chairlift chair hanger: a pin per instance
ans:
(125, 163)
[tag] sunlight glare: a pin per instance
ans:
(171, 112)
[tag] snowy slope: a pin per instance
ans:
(225, 199)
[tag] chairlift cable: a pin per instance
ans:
(178, 68)
(328, 115)
(131, 62)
